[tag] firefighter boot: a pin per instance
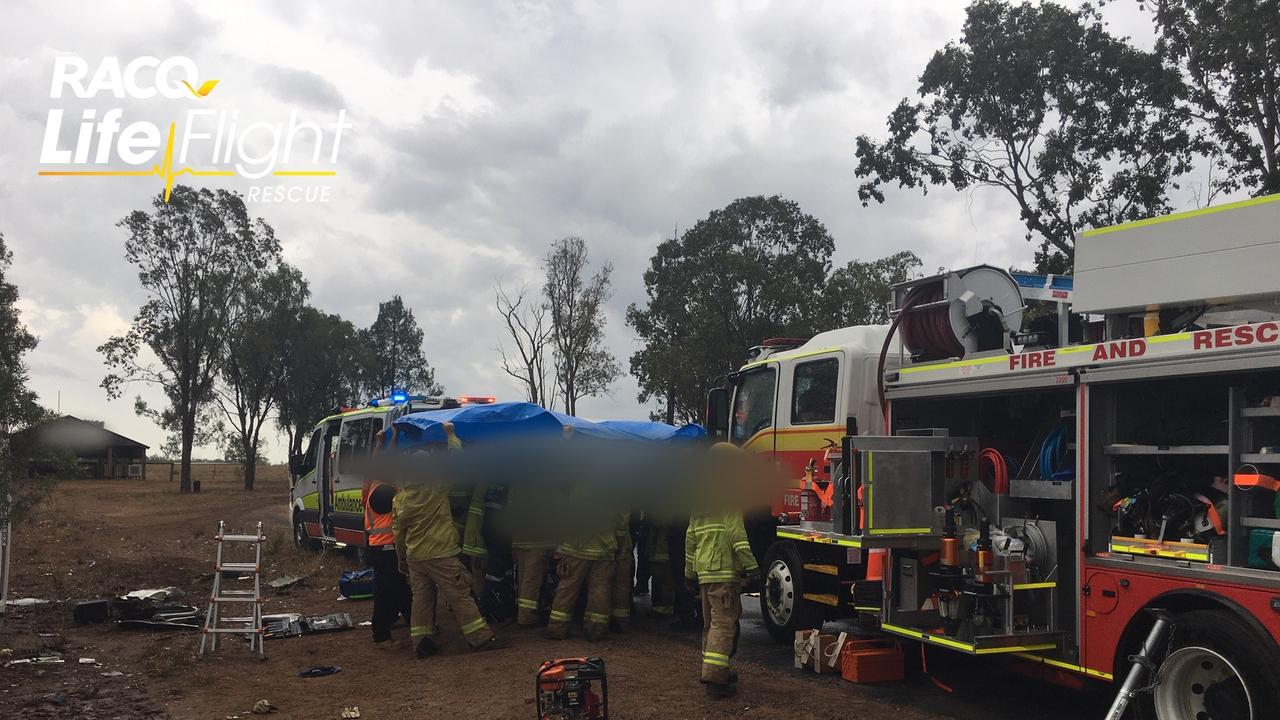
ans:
(718, 691)
(426, 648)
(493, 643)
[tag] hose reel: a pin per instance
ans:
(959, 313)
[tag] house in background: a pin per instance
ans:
(99, 452)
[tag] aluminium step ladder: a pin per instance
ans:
(249, 625)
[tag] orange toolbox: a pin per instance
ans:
(871, 661)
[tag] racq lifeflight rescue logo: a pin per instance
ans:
(204, 140)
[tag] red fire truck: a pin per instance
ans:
(1072, 471)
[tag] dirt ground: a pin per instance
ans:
(103, 538)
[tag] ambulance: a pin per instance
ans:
(326, 506)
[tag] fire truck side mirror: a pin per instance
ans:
(717, 417)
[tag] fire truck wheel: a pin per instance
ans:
(782, 603)
(1217, 668)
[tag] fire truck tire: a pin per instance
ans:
(1217, 668)
(782, 603)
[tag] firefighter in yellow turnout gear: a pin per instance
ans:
(624, 573)
(531, 548)
(474, 552)
(718, 559)
(427, 548)
(587, 559)
(662, 592)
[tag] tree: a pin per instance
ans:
(752, 270)
(1078, 127)
(391, 353)
(575, 304)
(256, 359)
(526, 321)
(321, 373)
(1229, 52)
(858, 293)
(27, 471)
(196, 255)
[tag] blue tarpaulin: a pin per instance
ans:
(646, 430)
(500, 421)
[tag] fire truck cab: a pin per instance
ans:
(1067, 459)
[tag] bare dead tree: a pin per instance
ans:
(526, 322)
(575, 303)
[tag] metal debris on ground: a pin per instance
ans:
(284, 625)
(285, 581)
(40, 660)
(26, 602)
(88, 661)
(157, 594)
(319, 671)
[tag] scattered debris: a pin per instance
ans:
(40, 660)
(112, 673)
(366, 623)
(333, 622)
(262, 707)
(58, 698)
(26, 602)
(144, 609)
(88, 661)
(319, 671)
(158, 594)
(348, 713)
(284, 625)
(285, 581)
(92, 611)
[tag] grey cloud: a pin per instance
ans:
(613, 122)
(299, 87)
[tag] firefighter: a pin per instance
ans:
(640, 531)
(466, 508)
(624, 570)
(427, 549)
(392, 597)
(475, 554)
(586, 559)
(717, 557)
(662, 590)
(532, 549)
(687, 610)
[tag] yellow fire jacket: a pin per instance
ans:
(716, 549)
(423, 526)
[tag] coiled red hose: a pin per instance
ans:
(1000, 470)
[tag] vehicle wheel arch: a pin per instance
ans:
(1199, 603)
(800, 613)
(1178, 602)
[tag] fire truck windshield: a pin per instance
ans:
(753, 404)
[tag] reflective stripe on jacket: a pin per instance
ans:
(716, 548)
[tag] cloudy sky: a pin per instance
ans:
(480, 132)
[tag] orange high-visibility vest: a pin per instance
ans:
(377, 525)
